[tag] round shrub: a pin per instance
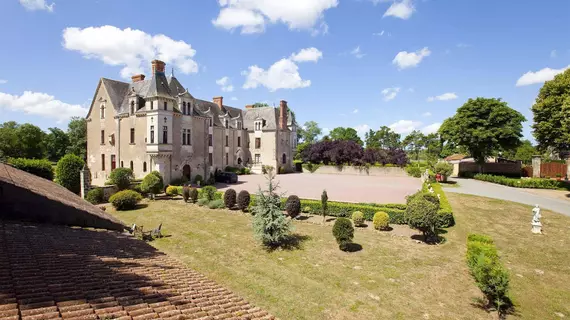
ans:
(172, 191)
(95, 196)
(230, 198)
(193, 195)
(216, 204)
(293, 206)
(198, 179)
(67, 172)
(125, 200)
(41, 168)
(121, 177)
(203, 202)
(243, 200)
(443, 168)
(152, 183)
(209, 192)
(343, 231)
(358, 218)
(381, 221)
(186, 193)
(421, 214)
(307, 210)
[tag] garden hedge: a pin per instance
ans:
(445, 211)
(41, 168)
(534, 183)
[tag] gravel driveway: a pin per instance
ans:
(347, 188)
(550, 201)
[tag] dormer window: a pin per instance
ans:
(226, 123)
(258, 125)
(184, 107)
(210, 122)
(132, 107)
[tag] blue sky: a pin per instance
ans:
(406, 64)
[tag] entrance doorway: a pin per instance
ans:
(186, 172)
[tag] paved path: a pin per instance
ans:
(496, 191)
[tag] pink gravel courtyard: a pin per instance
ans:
(346, 188)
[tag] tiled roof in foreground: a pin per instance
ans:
(54, 272)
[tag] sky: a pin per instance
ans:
(407, 64)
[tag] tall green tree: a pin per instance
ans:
(77, 133)
(21, 141)
(433, 147)
(341, 133)
(56, 143)
(551, 113)
(383, 138)
(524, 152)
(484, 127)
(309, 132)
(414, 142)
(9, 141)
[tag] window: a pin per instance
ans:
(210, 160)
(113, 162)
(183, 137)
(132, 107)
(151, 134)
(210, 122)
(257, 125)
(165, 105)
(227, 140)
(209, 140)
(284, 161)
(257, 158)
(151, 105)
(132, 166)
(102, 136)
(184, 107)
(239, 141)
(144, 166)
(164, 134)
(257, 143)
(102, 162)
(132, 135)
(122, 164)
(226, 124)
(227, 158)
(239, 125)
(188, 140)
(102, 111)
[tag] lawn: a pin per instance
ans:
(392, 277)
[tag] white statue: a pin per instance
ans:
(536, 225)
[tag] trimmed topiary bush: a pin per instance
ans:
(67, 172)
(421, 214)
(202, 202)
(125, 200)
(186, 193)
(152, 183)
(95, 196)
(381, 221)
(209, 192)
(324, 204)
(41, 168)
(193, 195)
(343, 231)
(230, 198)
(172, 191)
(216, 204)
(243, 200)
(443, 168)
(293, 206)
(198, 179)
(358, 218)
(121, 177)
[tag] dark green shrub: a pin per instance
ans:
(152, 183)
(211, 180)
(121, 177)
(535, 183)
(293, 206)
(230, 198)
(198, 179)
(269, 224)
(243, 200)
(41, 168)
(172, 191)
(203, 202)
(186, 193)
(95, 196)
(343, 231)
(125, 200)
(358, 218)
(443, 168)
(209, 192)
(414, 171)
(216, 204)
(179, 181)
(422, 214)
(381, 221)
(193, 195)
(311, 167)
(67, 172)
(324, 204)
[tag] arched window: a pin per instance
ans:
(132, 165)
(184, 107)
(165, 105)
(121, 164)
(144, 166)
(132, 107)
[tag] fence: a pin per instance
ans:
(527, 171)
(553, 169)
(504, 169)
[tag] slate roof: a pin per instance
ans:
(59, 272)
(269, 114)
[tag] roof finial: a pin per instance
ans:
(172, 71)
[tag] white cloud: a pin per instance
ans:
(426, 114)
(37, 5)
(308, 54)
(225, 84)
(234, 99)
(443, 97)
(355, 111)
(362, 130)
(539, 76)
(325, 131)
(283, 74)
(432, 128)
(406, 59)
(41, 104)
(390, 93)
(357, 53)
(253, 15)
(405, 126)
(400, 9)
(131, 48)
(3, 81)
(553, 54)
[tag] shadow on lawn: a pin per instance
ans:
(292, 242)
(438, 240)
(353, 247)
(508, 309)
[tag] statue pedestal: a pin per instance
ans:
(536, 227)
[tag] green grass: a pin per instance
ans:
(392, 277)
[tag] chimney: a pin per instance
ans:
(219, 101)
(158, 66)
(283, 115)
(137, 77)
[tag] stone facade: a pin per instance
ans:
(156, 124)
